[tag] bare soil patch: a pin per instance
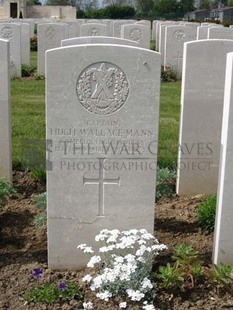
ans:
(23, 248)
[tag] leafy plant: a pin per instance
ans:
(170, 276)
(169, 74)
(41, 204)
(39, 175)
(185, 271)
(123, 268)
(6, 190)
(223, 275)
(27, 70)
(50, 293)
(206, 213)
(39, 77)
(165, 182)
(33, 43)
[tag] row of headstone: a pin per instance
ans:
(170, 38)
(205, 158)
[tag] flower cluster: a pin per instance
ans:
(123, 265)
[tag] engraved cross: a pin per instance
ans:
(178, 58)
(102, 76)
(101, 181)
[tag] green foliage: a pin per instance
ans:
(51, 293)
(144, 8)
(39, 175)
(33, 2)
(41, 201)
(168, 9)
(170, 277)
(41, 204)
(152, 45)
(6, 190)
(27, 70)
(169, 74)
(33, 43)
(114, 11)
(222, 275)
(165, 182)
(206, 213)
(230, 3)
(184, 272)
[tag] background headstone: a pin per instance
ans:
(5, 118)
(93, 30)
(102, 124)
(223, 245)
(12, 32)
(175, 37)
(98, 40)
(201, 115)
(138, 33)
(50, 36)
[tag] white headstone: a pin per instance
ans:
(175, 37)
(5, 123)
(201, 115)
(92, 30)
(138, 33)
(116, 27)
(202, 31)
(98, 40)
(25, 43)
(223, 245)
(49, 36)
(102, 126)
(12, 32)
(220, 33)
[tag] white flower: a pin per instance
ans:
(87, 278)
(88, 249)
(81, 246)
(88, 305)
(123, 304)
(146, 283)
(94, 260)
(147, 236)
(106, 248)
(104, 296)
(135, 295)
(148, 307)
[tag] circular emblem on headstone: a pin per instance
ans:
(135, 35)
(50, 32)
(102, 88)
(7, 32)
(179, 35)
(93, 32)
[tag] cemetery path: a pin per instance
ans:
(23, 248)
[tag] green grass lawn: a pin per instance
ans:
(28, 117)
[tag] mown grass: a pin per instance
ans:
(28, 114)
(28, 117)
(169, 124)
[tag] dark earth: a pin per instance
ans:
(23, 248)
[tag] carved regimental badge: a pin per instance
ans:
(7, 32)
(50, 32)
(179, 35)
(102, 88)
(93, 32)
(135, 35)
